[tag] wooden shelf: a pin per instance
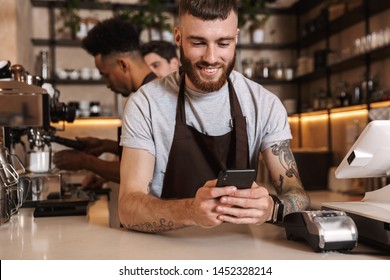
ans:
(303, 6)
(271, 81)
(169, 7)
(56, 42)
(76, 82)
(343, 22)
(89, 5)
(346, 64)
(267, 46)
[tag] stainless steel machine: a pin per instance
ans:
(26, 112)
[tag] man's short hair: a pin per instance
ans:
(110, 36)
(164, 49)
(208, 10)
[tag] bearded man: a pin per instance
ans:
(180, 131)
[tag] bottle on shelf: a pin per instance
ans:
(43, 62)
(368, 88)
(356, 97)
(343, 97)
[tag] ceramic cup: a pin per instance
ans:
(95, 74)
(85, 73)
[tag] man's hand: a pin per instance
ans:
(93, 146)
(70, 160)
(246, 206)
(202, 210)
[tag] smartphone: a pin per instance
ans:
(241, 178)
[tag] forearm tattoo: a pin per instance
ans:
(286, 158)
(151, 227)
(295, 200)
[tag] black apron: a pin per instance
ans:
(148, 78)
(195, 158)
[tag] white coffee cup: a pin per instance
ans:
(85, 73)
(74, 75)
(61, 73)
(96, 74)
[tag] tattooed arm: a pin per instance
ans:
(141, 211)
(254, 205)
(280, 162)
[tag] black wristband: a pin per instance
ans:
(277, 215)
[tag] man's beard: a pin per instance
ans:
(206, 86)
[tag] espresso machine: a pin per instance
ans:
(29, 106)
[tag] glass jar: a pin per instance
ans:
(278, 72)
(247, 67)
(262, 68)
(289, 73)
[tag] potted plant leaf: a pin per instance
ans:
(70, 18)
(158, 24)
(152, 20)
(254, 14)
(69, 15)
(136, 17)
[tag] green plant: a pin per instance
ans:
(137, 17)
(156, 17)
(254, 11)
(69, 15)
(152, 17)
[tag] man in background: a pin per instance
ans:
(114, 44)
(161, 57)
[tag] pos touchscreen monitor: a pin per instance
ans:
(369, 156)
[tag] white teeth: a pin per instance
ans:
(209, 70)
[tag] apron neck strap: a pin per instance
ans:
(235, 109)
(239, 128)
(180, 110)
(238, 122)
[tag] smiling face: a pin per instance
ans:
(207, 52)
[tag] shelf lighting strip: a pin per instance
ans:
(349, 114)
(91, 122)
(333, 115)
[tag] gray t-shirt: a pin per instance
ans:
(149, 118)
